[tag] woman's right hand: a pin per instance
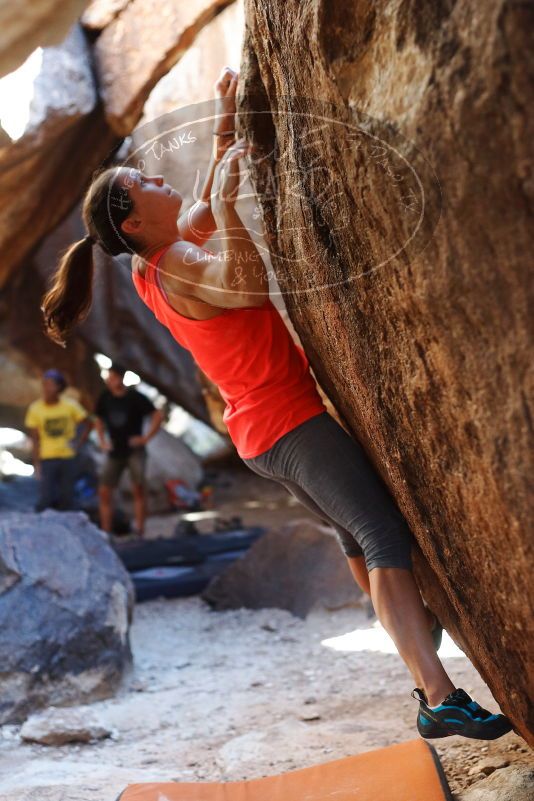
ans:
(225, 90)
(226, 179)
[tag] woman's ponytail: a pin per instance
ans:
(69, 298)
(106, 205)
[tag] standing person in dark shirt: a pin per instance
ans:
(120, 413)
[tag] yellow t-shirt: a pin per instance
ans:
(56, 424)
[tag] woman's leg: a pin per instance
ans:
(351, 549)
(348, 490)
(108, 480)
(139, 499)
(400, 609)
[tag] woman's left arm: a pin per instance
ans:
(197, 224)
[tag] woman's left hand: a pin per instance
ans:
(227, 178)
(225, 90)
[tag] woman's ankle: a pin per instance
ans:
(436, 696)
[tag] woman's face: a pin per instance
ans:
(156, 204)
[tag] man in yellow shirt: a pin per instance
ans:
(52, 422)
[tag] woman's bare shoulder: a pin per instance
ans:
(176, 252)
(179, 263)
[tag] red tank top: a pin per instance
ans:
(262, 374)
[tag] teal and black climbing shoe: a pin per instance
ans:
(458, 714)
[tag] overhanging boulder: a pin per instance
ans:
(44, 172)
(33, 23)
(140, 46)
(422, 343)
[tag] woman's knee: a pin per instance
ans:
(388, 548)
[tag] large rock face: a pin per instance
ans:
(407, 287)
(138, 47)
(43, 173)
(66, 604)
(33, 23)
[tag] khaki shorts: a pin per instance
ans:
(115, 465)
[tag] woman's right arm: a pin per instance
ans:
(236, 276)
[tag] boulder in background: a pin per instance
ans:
(297, 567)
(66, 605)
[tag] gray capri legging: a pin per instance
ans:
(329, 472)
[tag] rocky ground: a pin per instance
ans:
(242, 694)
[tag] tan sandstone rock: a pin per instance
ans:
(509, 784)
(139, 46)
(28, 24)
(395, 188)
(43, 173)
(298, 567)
(100, 13)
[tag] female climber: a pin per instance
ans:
(218, 307)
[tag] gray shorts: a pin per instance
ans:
(329, 472)
(115, 465)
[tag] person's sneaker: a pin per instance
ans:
(458, 714)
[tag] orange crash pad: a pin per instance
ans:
(405, 772)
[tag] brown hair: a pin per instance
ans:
(107, 203)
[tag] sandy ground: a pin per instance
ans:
(243, 694)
